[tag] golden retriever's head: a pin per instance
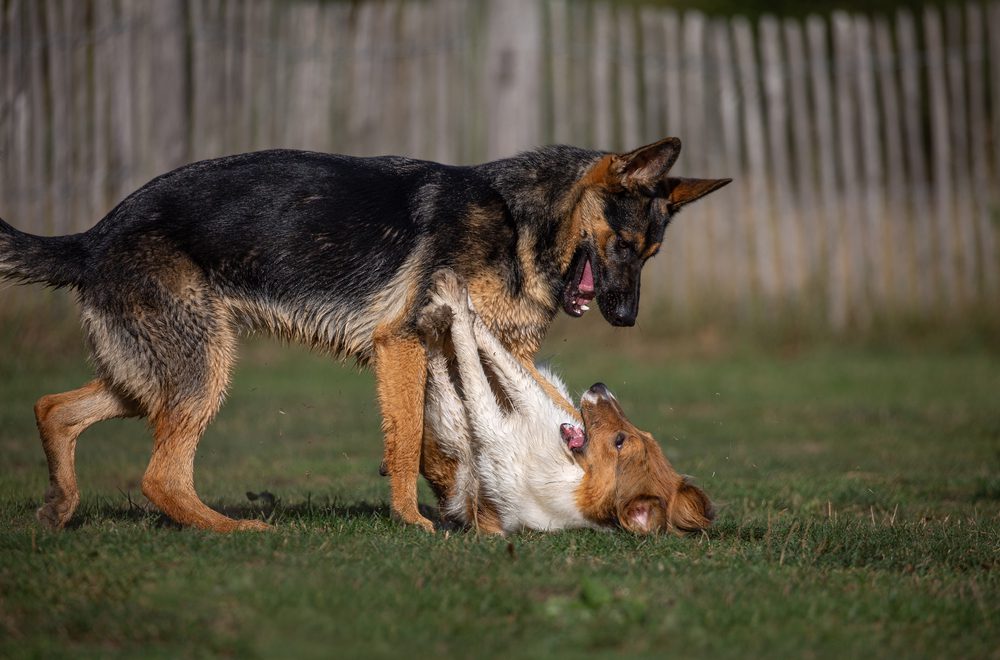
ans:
(627, 479)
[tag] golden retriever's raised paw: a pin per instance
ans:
(447, 288)
(434, 321)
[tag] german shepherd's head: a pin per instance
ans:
(623, 206)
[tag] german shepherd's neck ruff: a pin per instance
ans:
(335, 252)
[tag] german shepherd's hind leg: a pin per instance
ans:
(401, 376)
(169, 479)
(61, 419)
(163, 336)
(190, 393)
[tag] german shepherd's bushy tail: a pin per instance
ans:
(57, 261)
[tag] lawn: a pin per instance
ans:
(858, 493)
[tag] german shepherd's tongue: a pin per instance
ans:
(586, 287)
(576, 297)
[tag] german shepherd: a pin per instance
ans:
(337, 253)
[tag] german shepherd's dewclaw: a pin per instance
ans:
(334, 252)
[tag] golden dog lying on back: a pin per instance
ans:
(520, 459)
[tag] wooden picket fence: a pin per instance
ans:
(865, 150)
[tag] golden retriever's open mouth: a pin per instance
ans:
(573, 436)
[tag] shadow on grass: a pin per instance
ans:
(130, 511)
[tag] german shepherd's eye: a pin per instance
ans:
(659, 212)
(659, 208)
(619, 440)
(625, 248)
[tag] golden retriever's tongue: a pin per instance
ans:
(572, 435)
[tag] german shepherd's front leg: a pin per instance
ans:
(401, 375)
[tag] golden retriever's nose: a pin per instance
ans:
(599, 390)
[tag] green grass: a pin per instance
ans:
(859, 515)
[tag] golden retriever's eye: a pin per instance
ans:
(619, 440)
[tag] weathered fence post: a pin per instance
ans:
(781, 184)
(757, 168)
(897, 249)
(512, 76)
(928, 284)
(168, 68)
(735, 225)
(803, 180)
(980, 180)
(829, 220)
(958, 120)
(941, 157)
(849, 251)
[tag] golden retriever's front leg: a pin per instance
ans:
(550, 389)
(401, 374)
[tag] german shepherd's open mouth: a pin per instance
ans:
(580, 287)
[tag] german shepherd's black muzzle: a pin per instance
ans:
(618, 292)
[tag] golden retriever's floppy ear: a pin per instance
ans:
(643, 515)
(690, 510)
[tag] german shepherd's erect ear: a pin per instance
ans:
(679, 192)
(643, 170)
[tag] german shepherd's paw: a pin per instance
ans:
(58, 508)
(253, 526)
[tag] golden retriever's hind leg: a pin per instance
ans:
(61, 418)
(401, 376)
(444, 411)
